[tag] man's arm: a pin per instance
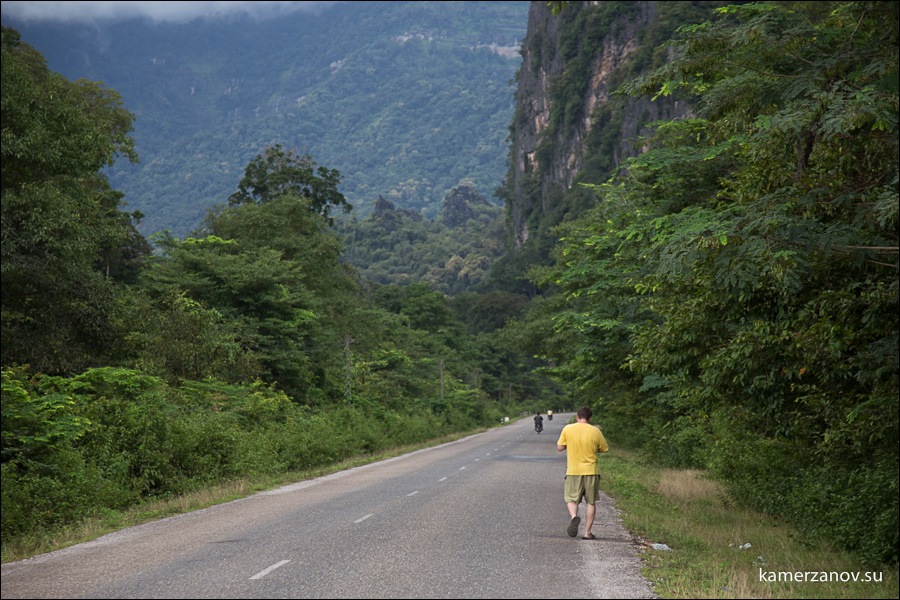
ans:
(602, 446)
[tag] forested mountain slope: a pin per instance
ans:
(404, 99)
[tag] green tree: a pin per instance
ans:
(63, 235)
(303, 239)
(423, 307)
(277, 172)
(255, 291)
(177, 338)
(289, 225)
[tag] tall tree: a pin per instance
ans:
(61, 227)
(277, 172)
(271, 270)
(256, 293)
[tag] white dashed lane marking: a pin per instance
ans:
(268, 570)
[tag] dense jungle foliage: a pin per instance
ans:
(731, 298)
(454, 253)
(248, 347)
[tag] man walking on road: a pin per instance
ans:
(582, 441)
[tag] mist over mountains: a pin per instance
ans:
(405, 99)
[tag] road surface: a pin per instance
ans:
(482, 517)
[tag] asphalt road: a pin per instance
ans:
(482, 517)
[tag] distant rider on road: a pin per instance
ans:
(538, 422)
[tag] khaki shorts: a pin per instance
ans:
(582, 486)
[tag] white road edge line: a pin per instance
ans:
(413, 493)
(265, 572)
(361, 519)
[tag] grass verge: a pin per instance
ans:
(720, 550)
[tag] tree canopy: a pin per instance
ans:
(277, 172)
(62, 227)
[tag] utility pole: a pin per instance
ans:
(347, 340)
(442, 381)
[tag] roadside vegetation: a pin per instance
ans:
(718, 549)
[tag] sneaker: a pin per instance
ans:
(573, 526)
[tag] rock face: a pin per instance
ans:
(566, 116)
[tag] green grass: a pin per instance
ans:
(706, 531)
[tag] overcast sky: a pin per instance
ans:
(158, 11)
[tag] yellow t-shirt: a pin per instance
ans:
(582, 441)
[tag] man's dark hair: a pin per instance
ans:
(585, 413)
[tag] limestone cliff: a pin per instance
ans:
(568, 125)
